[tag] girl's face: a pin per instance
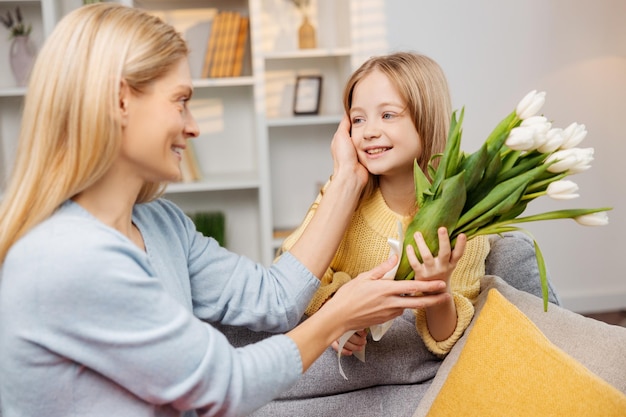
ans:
(157, 124)
(382, 131)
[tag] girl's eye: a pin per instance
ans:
(357, 119)
(387, 115)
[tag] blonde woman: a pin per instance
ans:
(106, 288)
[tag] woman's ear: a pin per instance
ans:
(124, 101)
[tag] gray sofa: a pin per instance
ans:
(401, 376)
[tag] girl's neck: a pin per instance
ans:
(399, 194)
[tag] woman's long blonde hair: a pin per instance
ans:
(422, 84)
(70, 131)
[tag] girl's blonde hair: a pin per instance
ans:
(71, 131)
(422, 85)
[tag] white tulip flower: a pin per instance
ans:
(554, 140)
(539, 123)
(530, 104)
(574, 160)
(540, 126)
(573, 135)
(562, 190)
(521, 139)
(584, 156)
(593, 219)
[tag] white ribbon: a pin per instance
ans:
(377, 331)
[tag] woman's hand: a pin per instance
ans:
(364, 301)
(345, 160)
(356, 343)
(367, 299)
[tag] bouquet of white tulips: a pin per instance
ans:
(486, 192)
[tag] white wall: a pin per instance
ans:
(495, 51)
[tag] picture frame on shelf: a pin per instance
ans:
(307, 95)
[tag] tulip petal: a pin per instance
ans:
(573, 135)
(593, 219)
(562, 190)
(530, 104)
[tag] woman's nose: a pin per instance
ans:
(191, 127)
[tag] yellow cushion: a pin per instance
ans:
(509, 368)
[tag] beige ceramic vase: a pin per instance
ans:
(306, 35)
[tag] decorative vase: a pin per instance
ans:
(306, 34)
(21, 56)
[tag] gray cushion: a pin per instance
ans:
(512, 258)
(397, 371)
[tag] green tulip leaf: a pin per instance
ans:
(440, 212)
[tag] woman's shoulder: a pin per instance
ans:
(161, 207)
(162, 212)
(70, 249)
(70, 227)
(161, 221)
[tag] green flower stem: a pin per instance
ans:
(541, 264)
(500, 192)
(542, 184)
(504, 204)
(509, 159)
(553, 215)
(533, 195)
(543, 275)
(522, 165)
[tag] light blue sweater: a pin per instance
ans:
(90, 325)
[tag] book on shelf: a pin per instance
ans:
(240, 49)
(220, 43)
(226, 46)
(215, 33)
(195, 25)
(230, 43)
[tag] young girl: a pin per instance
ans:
(399, 107)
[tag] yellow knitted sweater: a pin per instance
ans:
(364, 246)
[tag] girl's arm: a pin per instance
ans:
(441, 318)
(464, 288)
